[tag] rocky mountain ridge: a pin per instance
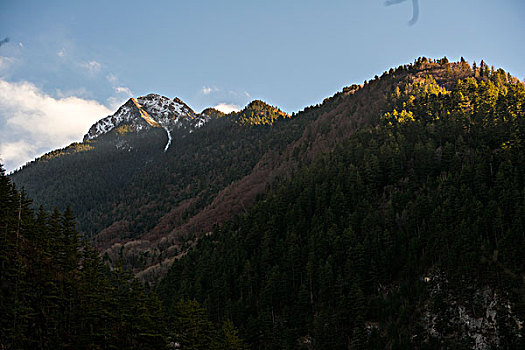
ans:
(150, 111)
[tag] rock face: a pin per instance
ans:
(481, 318)
(150, 111)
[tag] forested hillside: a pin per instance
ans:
(123, 175)
(409, 234)
(144, 207)
(123, 187)
(55, 293)
(392, 215)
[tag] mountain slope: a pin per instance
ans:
(128, 174)
(389, 216)
(141, 205)
(408, 234)
(55, 292)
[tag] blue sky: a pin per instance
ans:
(69, 63)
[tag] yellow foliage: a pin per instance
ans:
(399, 117)
(505, 146)
(124, 129)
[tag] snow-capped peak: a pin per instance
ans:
(150, 111)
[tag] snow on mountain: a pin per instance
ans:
(150, 111)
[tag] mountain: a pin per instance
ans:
(151, 111)
(388, 216)
(402, 225)
(150, 167)
(142, 206)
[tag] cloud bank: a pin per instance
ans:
(33, 122)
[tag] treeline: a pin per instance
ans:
(376, 243)
(55, 293)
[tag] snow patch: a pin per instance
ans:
(150, 111)
(169, 139)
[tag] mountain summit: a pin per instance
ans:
(150, 111)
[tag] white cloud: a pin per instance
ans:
(206, 90)
(122, 93)
(123, 90)
(227, 107)
(91, 66)
(32, 121)
(114, 102)
(18, 152)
